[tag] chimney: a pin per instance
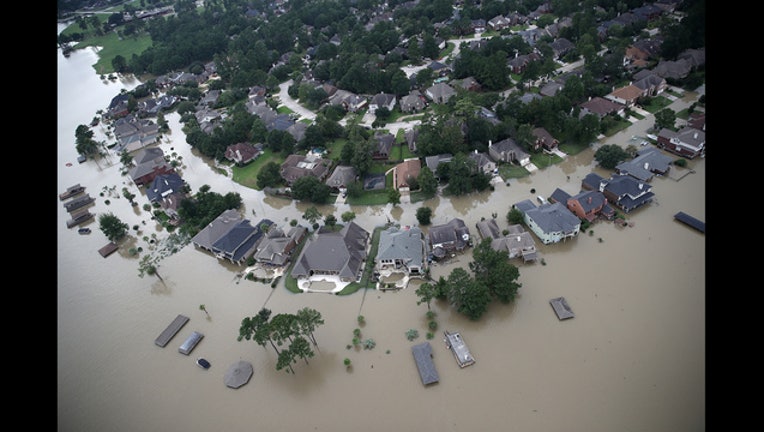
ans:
(695, 136)
(647, 164)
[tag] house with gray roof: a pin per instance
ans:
(276, 247)
(651, 84)
(383, 145)
(648, 162)
(686, 142)
(413, 102)
(516, 243)
(440, 93)
(561, 46)
(453, 236)
(336, 253)
(241, 241)
(432, 162)
(133, 134)
(341, 177)
(551, 222)
(401, 250)
(483, 163)
(507, 150)
(149, 163)
(381, 100)
(423, 357)
(230, 236)
(626, 192)
(163, 185)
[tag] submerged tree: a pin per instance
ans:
(147, 266)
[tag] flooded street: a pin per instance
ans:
(632, 359)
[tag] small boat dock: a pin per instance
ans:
(456, 344)
(691, 221)
(71, 191)
(79, 218)
(78, 202)
(168, 333)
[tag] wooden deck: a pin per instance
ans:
(691, 221)
(561, 308)
(168, 333)
(109, 249)
(456, 344)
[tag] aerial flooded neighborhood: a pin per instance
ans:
(451, 174)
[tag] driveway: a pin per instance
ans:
(287, 101)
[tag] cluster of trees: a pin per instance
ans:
(198, 211)
(290, 335)
(494, 278)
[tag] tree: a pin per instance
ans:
(204, 309)
(426, 292)
(147, 266)
(424, 215)
(610, 155)
(427, 182)
(309, 188)
(493, 269)
(269, 175)
(309, 319)
(665, 118)
(515, 216)
(112, 227)
(348, 216)
(394, 197)
(312, 214)
(467, 295)
(330, 220)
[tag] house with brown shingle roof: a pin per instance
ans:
(626, 95)
(600, 107)
(543, 139)
(241, 153)
(296, 166)
(405, 171)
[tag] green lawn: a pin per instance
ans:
(247, 175)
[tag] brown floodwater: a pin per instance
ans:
(632, 359)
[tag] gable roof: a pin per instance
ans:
(208, 235)
(423, 357)
(647, 162)
(163, 185)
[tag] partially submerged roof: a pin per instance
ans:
(561, 308)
